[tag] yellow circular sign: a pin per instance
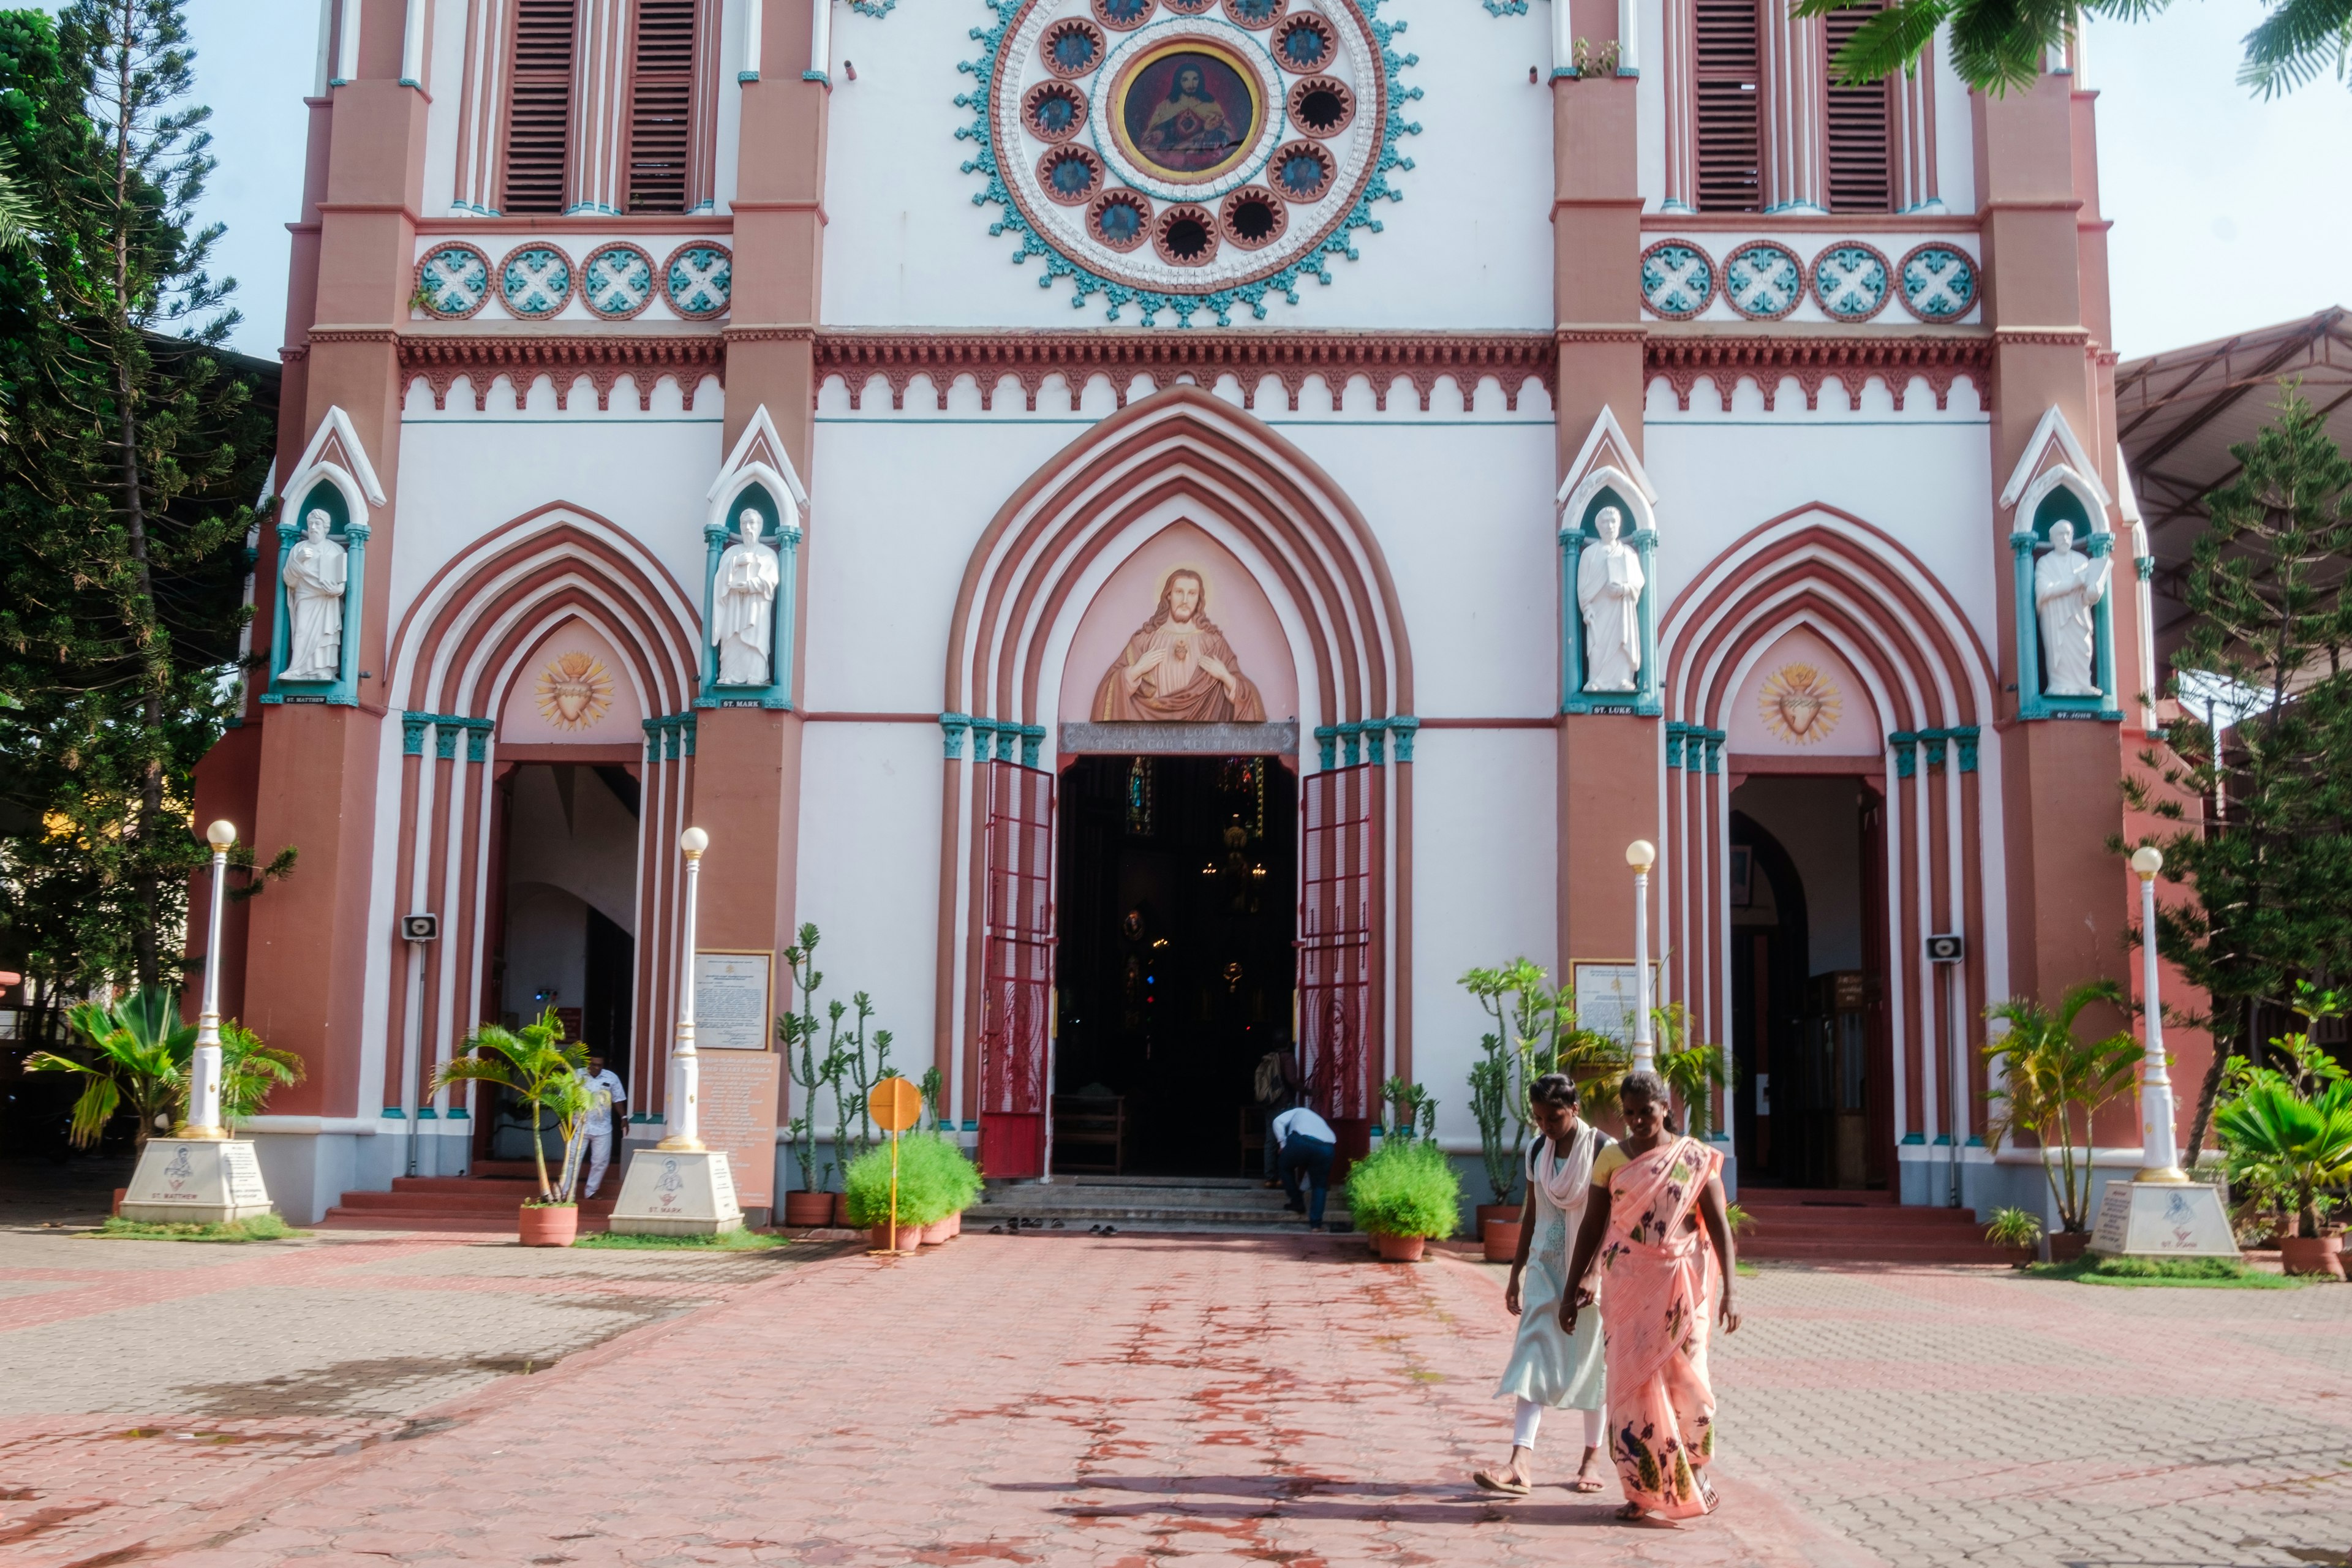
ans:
(895, 1104)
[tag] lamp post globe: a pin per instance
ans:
(221, 835)
(694, 841)
(1640, 855)
(2147, 860)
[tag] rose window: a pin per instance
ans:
(699, 279)
(617, 282)
(453, 282)
(1939, 283)
(1189, 156)
(1851, 281)
(535, 280)
(1763, 280)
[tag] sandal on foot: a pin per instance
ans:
(1502, 1481)
(1631, 1512)
(1585, 1484)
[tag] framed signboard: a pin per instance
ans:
(732, 999)
(1606, 996)
(736, 1112)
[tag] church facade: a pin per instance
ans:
(1170, 529)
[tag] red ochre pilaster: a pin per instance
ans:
(2060, 803)
(747, 779)
(311, 940)
(1609, 768)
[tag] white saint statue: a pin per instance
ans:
(1609, 591)
(743, 600)
(2066, 584)
(317, 572)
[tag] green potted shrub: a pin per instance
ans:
(543, 1074)
(1405, 1193)
(2287, 1136)
(2017, 1231)
(1693, 1070)
(936, 1185)
(2052, 1084)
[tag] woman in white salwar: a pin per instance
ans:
(1551, 1369)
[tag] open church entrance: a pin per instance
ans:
(1178, 909)
(1813, 1098)
(563, 875)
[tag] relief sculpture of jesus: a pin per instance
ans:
(1178, 667)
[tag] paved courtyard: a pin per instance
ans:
(1128, 1403)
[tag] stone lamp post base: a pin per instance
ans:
(195, 1181)
(2162, 1219)
(674, 1192)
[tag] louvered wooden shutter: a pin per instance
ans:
(661, 104)
(538, 106)
(1730, 107)
(1861, 167)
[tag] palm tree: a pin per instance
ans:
(2049, 1075)
(2292, 1145)
(1694, 1071)
(249, 1070)
(544, 1073)
(140, 1053)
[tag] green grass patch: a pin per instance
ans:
(730, 1241)
(1744, 1271)
(2194, 1273)
(260, 1227)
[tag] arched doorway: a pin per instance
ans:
(1823, 748)
(1178, 480)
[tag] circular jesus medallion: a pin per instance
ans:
(1187, 111)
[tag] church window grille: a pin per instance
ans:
(661, 104)
(1861, 166)
(539, 106)
(1729, 100)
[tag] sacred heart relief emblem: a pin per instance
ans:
(1800, 704)
(574, 690)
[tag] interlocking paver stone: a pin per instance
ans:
(1130, 1403)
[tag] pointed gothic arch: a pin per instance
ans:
(1931, 680)
(1181, 454)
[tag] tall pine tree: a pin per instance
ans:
(2264, 738)
(131, 458)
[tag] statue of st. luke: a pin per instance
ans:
(1609, 591)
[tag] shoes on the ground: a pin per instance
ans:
(1295, 1208)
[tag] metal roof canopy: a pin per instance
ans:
(2178, 413)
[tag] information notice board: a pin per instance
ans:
(730, 1001)
(736, 1112)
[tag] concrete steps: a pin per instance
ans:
(479, 1203)
(1825, 1225)
(1144, 1204)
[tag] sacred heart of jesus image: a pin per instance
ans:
(1800, 705)
(574, 690)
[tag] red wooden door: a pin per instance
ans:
(1016, 997)
(1339, 1030)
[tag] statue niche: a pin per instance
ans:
(317, 574)
(1609, 584)
(743, 603)
(2067, 584)
(1178, 669)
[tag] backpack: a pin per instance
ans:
(1268, 1083)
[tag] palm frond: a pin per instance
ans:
(2295, 44)
(1893, 40)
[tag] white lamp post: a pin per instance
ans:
(199, 1174)
(2160, 1213)
(2160, 1148)
(1642, 855)
(679, 1187)
(685, 1130)
(205, 1069)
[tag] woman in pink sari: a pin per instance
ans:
(1650, 1195)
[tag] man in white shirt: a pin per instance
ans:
(606, 1097)
(1307, 1145)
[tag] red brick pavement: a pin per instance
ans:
(1209, 1400)
(1044, 1400)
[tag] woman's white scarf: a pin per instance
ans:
(1571, 1174)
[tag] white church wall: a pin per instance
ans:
(1469, 246)
(869, 871)
(444, 100)
(1484, 862)
(1925, 480)
(463, 474)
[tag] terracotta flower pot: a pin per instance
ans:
(1479, 1216)
(548, 1224)
(118, 1193)
(1399, 1248)
(2322, 1255)
(807, 1210)
(955, 1223)
(2067, 1245)
(910, 1236)
(1502, 1239)
(841, 1211)
(938, 1231)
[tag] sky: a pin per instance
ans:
(2228, 211)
